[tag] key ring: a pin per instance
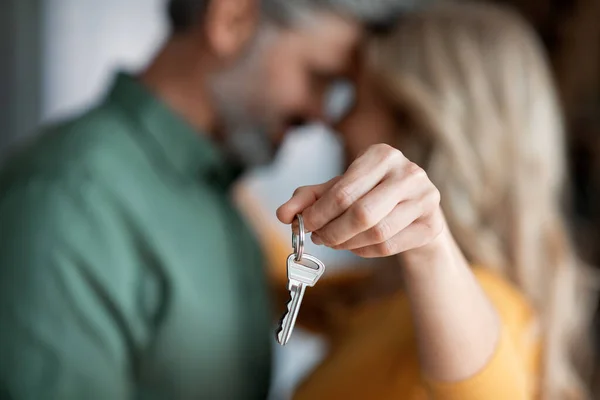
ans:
(298, 238)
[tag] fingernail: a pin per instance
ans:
(316, 239)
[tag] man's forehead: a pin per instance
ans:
(328, 39)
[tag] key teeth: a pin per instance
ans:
(283, 320)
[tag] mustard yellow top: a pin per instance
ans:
(372, 351)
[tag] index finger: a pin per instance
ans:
(302, 198)
(362, 176)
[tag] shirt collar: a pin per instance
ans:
(189, 152)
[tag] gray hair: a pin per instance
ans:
(185, 13)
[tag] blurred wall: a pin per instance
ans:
(86, 40)
(20, 70)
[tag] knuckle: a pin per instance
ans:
(343, 197)
(421, 206)
(325, 236)
(381, 232)
(387, 248)
(428, 203)
(300, 190)
(362, 252)
(363, 215)
(432, 227)
(310, 219)
(436, 196)
(383, 148)
(386, 152)
(432, 199)
(415, 171)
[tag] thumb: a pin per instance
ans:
(303, 198)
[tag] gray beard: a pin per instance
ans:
(246, 137)
(250, 146)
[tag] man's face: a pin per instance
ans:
(281, 81)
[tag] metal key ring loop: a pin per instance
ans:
(298, 238)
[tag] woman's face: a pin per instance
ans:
(371, 121)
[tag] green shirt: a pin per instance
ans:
(125, 271)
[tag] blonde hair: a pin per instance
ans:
(475, 85)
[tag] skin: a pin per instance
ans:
(383, 205)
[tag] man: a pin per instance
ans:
(126, 272)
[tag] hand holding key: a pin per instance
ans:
(383, 205)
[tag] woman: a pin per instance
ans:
(464, 91)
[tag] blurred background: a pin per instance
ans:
(57, 57)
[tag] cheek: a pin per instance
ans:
(286, 85)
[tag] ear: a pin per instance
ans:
(230, 25)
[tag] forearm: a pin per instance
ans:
(457, 327)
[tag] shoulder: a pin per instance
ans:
(78, 162)
(92, 143)
(56, 187)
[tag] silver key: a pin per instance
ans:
(299, 277)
